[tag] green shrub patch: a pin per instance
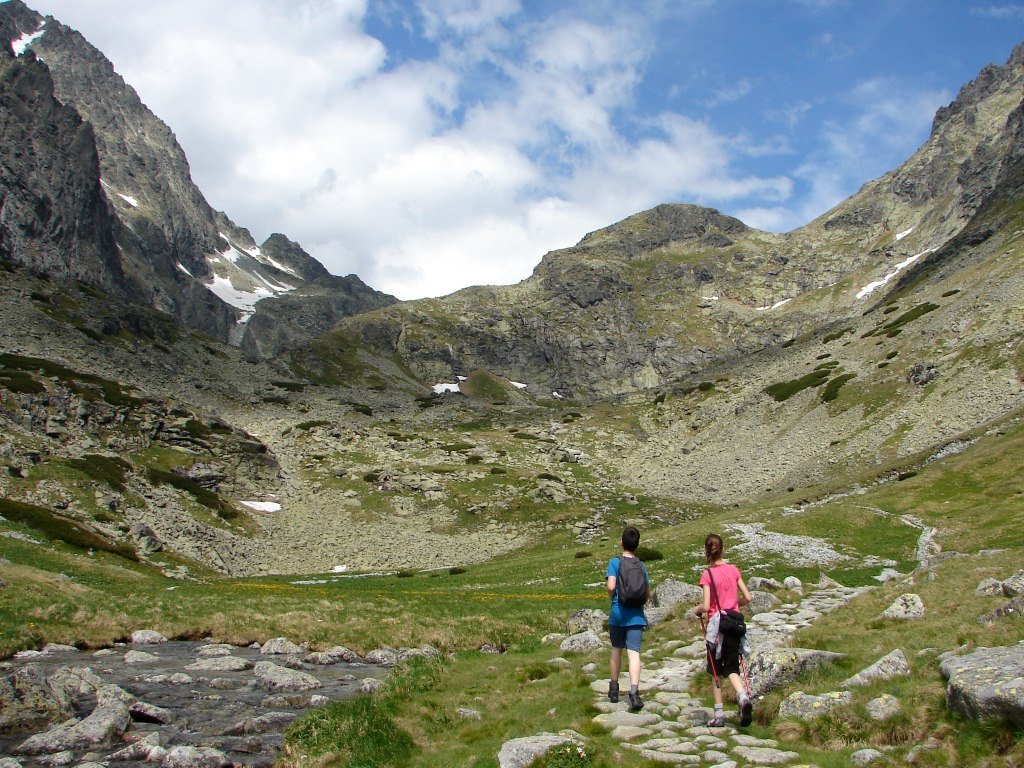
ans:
(111, 470)
(54, 526)
(204, 496)
(831, 391)
(81, 383)
(786, 389)
(895, 328)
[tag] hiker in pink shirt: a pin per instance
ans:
(723, 582)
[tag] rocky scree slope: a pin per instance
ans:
(173, 251)
(671, 291)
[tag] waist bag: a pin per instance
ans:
(730, 623)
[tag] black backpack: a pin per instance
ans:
(730, 623)
(631, 582)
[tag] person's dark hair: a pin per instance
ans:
(712, 548)
(630, 539)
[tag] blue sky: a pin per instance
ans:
(436, 144)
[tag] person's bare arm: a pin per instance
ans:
(705, 607)
(611, 586)
(746, 592)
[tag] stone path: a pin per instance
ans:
(672, 726)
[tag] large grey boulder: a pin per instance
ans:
(891, 665)
(803, 706)
(988, 683)
(1014, 586)
(271, 677)
(761, 602)
(75, 681)
(220, 664)
(764, 755)
(147, 637)
(885, 707)
(586, 619)
(280, 646)
(520, 753)
(905, 607)
(671, 593)
(583, 642)
(335, 655)
(989, 588)
(196, 757)
(28, 701)
(102, 728)
(774, 667)
(382, 657)
(1013, 609)
(864, 757)
(762, 582)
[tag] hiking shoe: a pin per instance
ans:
(717, 722)
(634, 701)
(746, 712)
(613, 691)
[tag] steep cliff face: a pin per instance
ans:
(670, 291)
(53, 215)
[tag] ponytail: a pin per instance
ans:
(713, 548)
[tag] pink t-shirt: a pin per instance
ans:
(727, 579)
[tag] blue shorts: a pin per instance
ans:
(626, 637)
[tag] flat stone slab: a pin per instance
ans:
(613, 720)
(630, 732)
(273, 677)
(220, 664)
(802, 706)
(893, 664)
(519, 753)
(765, 755)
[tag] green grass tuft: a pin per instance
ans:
(61, 528)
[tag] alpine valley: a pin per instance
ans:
(217, 438)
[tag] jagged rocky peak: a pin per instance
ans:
(946, 181)
(288, 256)
(668, 224)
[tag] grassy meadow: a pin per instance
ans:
(57, 593)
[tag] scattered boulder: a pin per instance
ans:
(142, 712)
(792, 582)
(586, 619)
(774, 667)
(905, 608)
(468, 714)
(28, 700)
(75, 681)
(1012, 609)
(987, 683)
(989, 588)
(827, 582)
(765, 755)
(671, 593)
(272, 721)
(1014, 586)
(802, 706)
(520, 753)
(280, 646)
(196, 757)
(370, 685)
(761, 602)
(103, 727)
(865, 757)
(583, 642)
(139, 657)
(147, 637)
(272, 677)
(884, 707)
(891, 665)
(382, 657)
(220, 664)
(761, 582)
